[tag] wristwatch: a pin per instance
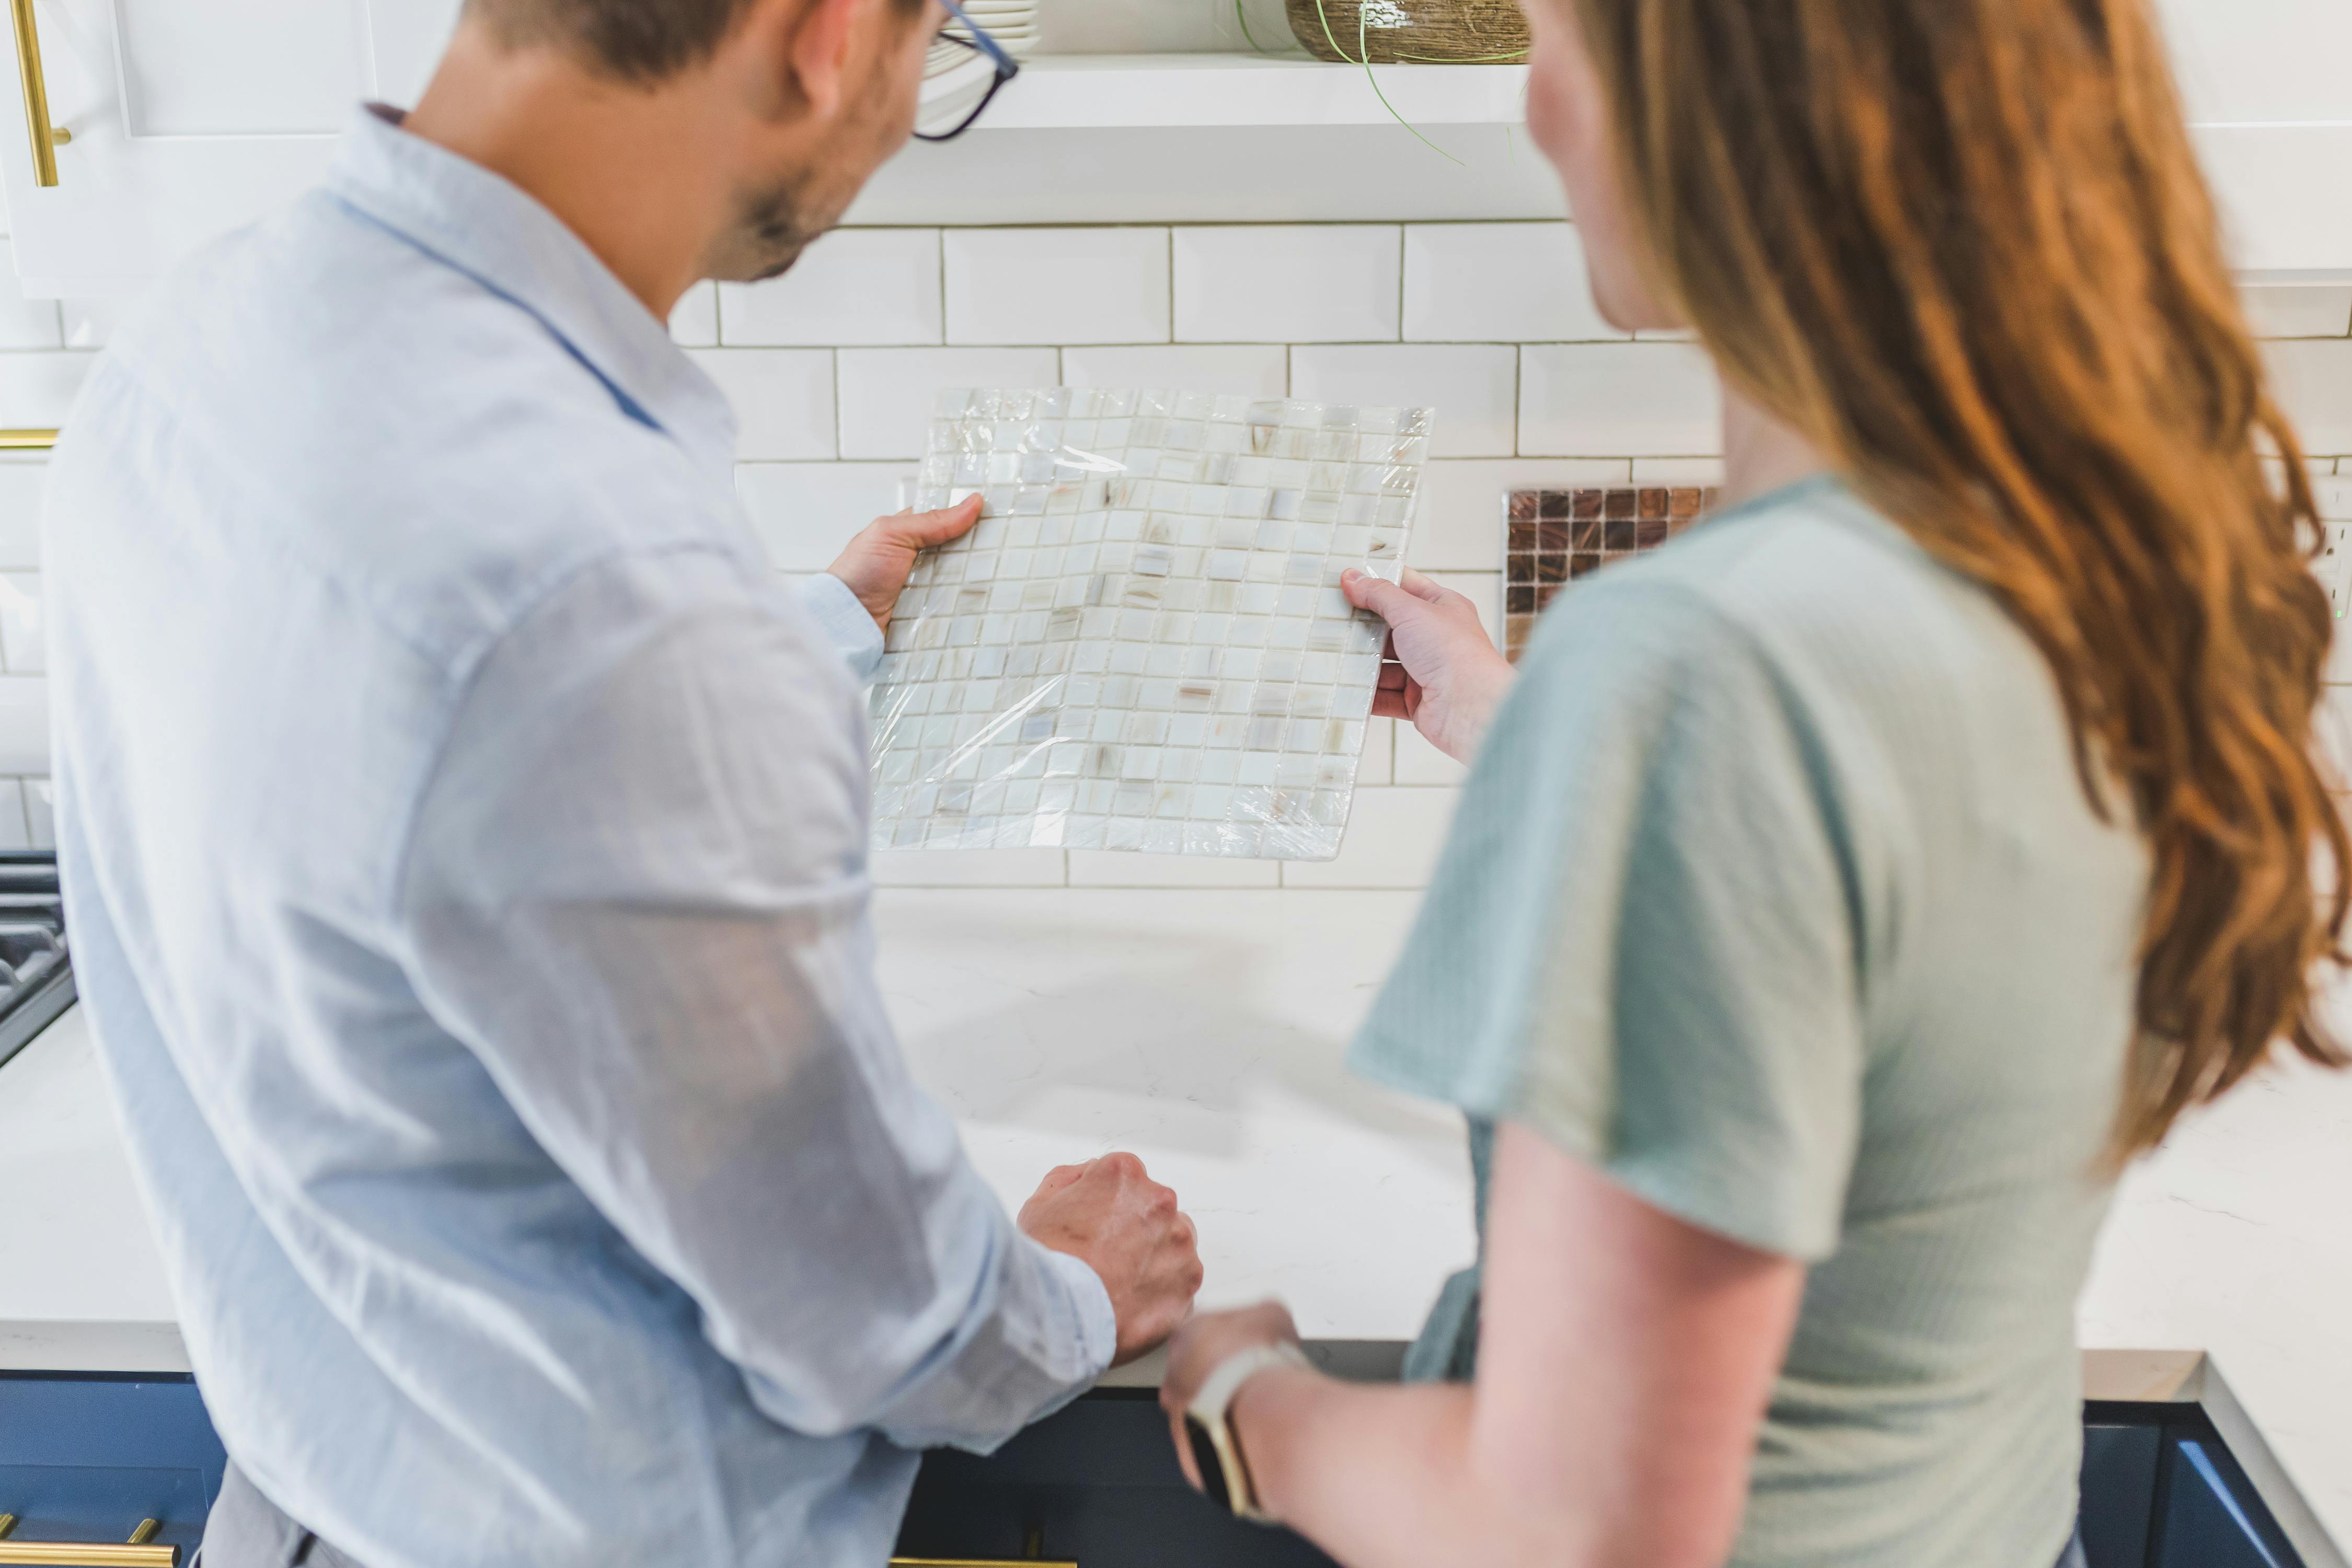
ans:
(1216, 1449)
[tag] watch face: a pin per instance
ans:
(1207, 1462)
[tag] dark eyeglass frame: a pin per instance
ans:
(1007, 68)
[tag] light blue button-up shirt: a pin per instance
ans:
(463, 833)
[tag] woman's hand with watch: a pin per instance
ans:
(1208, 1361)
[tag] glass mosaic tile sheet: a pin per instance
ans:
(1553, 537)
(1142, 645)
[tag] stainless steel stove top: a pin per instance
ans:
(35, 972)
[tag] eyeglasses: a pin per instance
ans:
(962, 75)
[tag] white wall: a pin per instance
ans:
(832, 369)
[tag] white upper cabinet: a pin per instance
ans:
(2268, 88)
(187, 118)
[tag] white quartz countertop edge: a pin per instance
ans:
(1205, 1030)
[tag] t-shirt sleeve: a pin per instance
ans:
(1642, 940)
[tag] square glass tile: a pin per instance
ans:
(1554, 537)
(1142, 645)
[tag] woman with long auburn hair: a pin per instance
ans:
(1843, 893)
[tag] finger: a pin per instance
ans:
(1122, 1164)
(1057, 1178)
(1390, 679)
(1183, 1447)
(1378, 594)
(1422, 587)
(924, 529)
(1389, 705)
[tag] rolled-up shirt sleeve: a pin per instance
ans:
(636, 887)
(846, 624)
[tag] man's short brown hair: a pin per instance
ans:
(635, 40)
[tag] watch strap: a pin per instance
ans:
(1213, 1403)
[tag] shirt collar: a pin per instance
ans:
(491, 229)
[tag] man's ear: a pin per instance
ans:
(816, 36)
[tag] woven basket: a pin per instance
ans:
(1420, 32)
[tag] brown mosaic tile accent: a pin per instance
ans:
(1554, 537)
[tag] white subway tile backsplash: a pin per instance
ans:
(24, 725)
(2312, 379)
(1471, 387)
(1057, 285)
(1287, 283)
(2334, 498)
(1484, 589)
(20, 511)
(2315, 312)
(1700, 471)
(1635, 400)
(854, 287)
(1379, 764)
(1393, 839)
(1419, 762)
(1107, 868)
(25, 323)
(41, 813)
(695, 322)
(886, 394)
(16, 831)
(2331, 737)
(804, 513)
(968, 867)
(1458, 522)
(38, 388)
(782, 398)
(1253, 370)
(20, 623)
(1498, 282)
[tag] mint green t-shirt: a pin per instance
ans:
(1775, 895)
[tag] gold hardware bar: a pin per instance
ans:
(27, 440)
(982, 1563)
(47, 138)
(136, 1552)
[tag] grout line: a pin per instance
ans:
(1519, 401)
(1400, 259)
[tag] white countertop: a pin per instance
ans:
(1204, 1030)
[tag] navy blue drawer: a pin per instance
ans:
(85, 1456)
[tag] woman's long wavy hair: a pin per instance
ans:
(1964, 247)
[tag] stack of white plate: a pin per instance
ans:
(1163, 27)
(955, 79)
(1011, 22)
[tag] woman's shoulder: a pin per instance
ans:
(1814, 583)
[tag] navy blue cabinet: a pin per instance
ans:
(87, 1456)
(2160, 1489)
(1095, 1484)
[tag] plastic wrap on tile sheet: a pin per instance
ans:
(1142, 645)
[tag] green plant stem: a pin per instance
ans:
(1364, 53)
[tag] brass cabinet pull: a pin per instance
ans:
(139, 1551)
(47, 138)
(27, 440)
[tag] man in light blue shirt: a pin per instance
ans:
(463, 834)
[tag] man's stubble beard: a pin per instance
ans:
(767, 238)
